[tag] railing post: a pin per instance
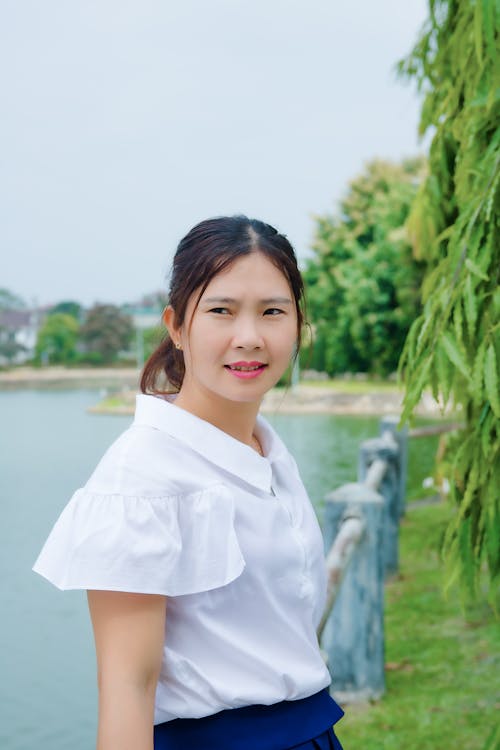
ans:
(353, 637)
(389, 423)
(385, 449)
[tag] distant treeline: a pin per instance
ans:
(362, 290)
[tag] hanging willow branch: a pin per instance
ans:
(454, 345)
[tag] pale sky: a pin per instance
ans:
(124, 123)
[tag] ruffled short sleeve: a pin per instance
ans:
(169, 545)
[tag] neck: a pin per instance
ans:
(236, 418)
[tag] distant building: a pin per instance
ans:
(143, 317)
(18, 334)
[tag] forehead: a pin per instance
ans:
(251, 274)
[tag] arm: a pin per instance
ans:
(129, 631)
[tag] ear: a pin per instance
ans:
(168, 318)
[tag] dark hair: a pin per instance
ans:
(209, 248)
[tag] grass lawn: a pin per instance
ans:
(343, 385)
(442, 665)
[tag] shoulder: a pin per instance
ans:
(144, 461)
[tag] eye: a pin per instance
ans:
(219, 310)
(273, 311)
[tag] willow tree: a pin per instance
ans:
(453, 347)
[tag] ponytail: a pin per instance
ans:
(165, 360)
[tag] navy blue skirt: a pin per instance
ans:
(305, 724)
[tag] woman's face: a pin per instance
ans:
(238, 341)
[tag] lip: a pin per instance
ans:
(254, 363)
(246, 374)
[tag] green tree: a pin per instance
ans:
(56, 340)
(454, 347)
(105, 332)
(362, 284)
(68, 307)
(152, 339)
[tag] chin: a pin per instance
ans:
(244, 396)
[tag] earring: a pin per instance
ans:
(178, 346)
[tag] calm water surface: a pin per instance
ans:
(49, 446)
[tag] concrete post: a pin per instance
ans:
(390, 423)
(385, 449)
(353, 637)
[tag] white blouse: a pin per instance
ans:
(178, 507)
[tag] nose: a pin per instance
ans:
(247, 334)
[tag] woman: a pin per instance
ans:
(194, 537)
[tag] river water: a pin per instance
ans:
(49, 446)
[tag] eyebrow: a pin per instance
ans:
(268, 301)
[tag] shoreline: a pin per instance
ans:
(349, 397)
(48, 377)
(304, 399)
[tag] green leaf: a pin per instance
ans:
(474, 268)
(484, 413)
(493, 193)
(464, 454)
(478, 374)
(410, 339)
(458, 324)
(455, 355)
(445, 372)
(491, 380)
(487, 435)
(421, 340)
(486, 423)
(489, 26)
(467, 562)
(492, 516)
(414, 389)
(434, 378)
(470, 305)
(493, 739)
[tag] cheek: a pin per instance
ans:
(286, 340)
(205, 341)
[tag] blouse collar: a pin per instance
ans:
(212, 443)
